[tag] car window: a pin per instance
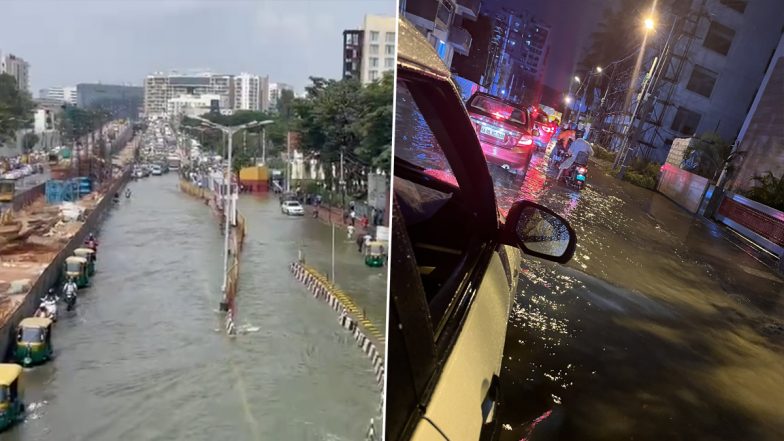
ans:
(498, 109)
(414, 140)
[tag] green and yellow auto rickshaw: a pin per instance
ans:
(89, 255)
(11, 406)
(34, 341)
(76, 268)
(375, 254)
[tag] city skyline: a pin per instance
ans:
(181, 35)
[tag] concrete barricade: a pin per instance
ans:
(684, 188)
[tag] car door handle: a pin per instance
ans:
(490, 409)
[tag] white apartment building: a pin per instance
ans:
(18, 68)
(160, 88)
(247, 95)
(275, 90)
(66, 94)
(378, 47)
(190, 105)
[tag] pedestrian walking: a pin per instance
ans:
(353, 215)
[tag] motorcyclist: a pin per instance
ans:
(70, 286)
(127, 192)
(579, 152)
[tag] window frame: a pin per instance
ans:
(719, 29)
(693, 84)
(680, 128)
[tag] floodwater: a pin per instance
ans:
(659, 328)
(142, 357)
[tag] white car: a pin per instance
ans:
(454, 261)
(156, 170)
(292, 208)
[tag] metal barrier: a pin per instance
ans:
(759, 223)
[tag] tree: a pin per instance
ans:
(285, 104)
(768, 190)
(375, 126)
(16, 108)
(29, 140)
(710, 152)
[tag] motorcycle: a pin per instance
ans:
(575, 176)
(128, 193)
(69, 295)
(47, 309)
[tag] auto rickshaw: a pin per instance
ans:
(76, 267)
(89, 255)
(7, 190)
(11, 406)
(374, 254)
(34, 341)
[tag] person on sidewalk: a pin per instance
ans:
(353, 216)
(350, 231)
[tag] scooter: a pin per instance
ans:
(69, 295)
(47, 309)
(574, 177)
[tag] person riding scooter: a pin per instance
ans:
(127, 193)
(578, 146)
(69, 292)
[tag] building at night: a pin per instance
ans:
(442, 22)
(762, 134)
(473, 66)
(720, 52)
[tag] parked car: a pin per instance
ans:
(454, 262)
(292, 208)
(505, 131)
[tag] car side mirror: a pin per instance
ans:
(535, 132)
(539, 232)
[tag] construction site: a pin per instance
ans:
(35, 239)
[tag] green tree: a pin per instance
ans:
(16, 108)
(711, 152)
(375, 126)
(29, 140)
(768, 190)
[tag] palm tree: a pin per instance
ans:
(768, 190)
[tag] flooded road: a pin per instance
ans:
(657, 329)
(141, 358)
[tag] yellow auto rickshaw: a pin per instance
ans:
(375, 254)
(89, 255)
(34, 341)
(11, 406)
(76, 269)
(7, 190)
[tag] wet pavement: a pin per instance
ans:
(659, 328)
(142, 357)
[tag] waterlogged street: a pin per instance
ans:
(658, 328)
(142, 357)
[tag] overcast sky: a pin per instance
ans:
(121, 41)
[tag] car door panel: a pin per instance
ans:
(426, 432)
(455, 406)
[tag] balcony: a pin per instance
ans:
(468, 8)
(460, 40)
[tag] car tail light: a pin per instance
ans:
(525, 140)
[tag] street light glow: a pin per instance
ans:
(576, 78)
(567, 99)
(648, 23)
(599, 69)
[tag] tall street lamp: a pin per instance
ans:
(228, 199)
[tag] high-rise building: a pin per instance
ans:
(121, 100)
(441, 21)
(66, 94)
(370, 51)
(275, 90)
(250, 92)
(18, 68)
(160, 88)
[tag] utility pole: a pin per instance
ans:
(263, 145)
(342, 181)
(288, 161)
